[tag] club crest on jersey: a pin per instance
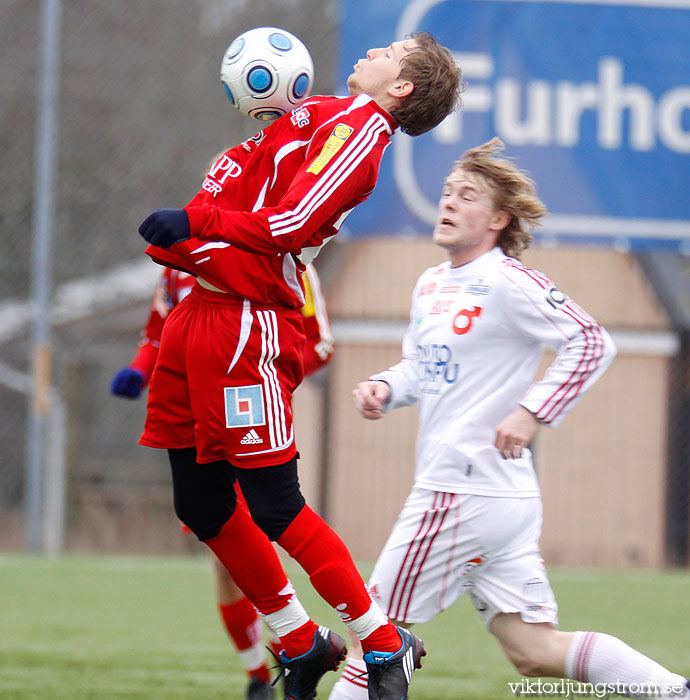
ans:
(335, 142)
(256, 140)
(463, 319)
(244, 406)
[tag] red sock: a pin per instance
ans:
(275, 645)
(386, 638)
(240, 620)
(299, 641)
(324, 556)
(251, 560)
(244, 628)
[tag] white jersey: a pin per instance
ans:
(470, 355)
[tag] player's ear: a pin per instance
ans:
(499, 221)
(401, 88)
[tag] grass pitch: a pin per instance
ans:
(146, 628)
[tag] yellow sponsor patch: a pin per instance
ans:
(335, 142)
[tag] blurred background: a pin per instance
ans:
(111, 110)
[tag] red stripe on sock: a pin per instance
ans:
(583, 653)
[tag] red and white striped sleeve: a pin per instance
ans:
(340, 172)
(537, 309)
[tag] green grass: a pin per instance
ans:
(146, 628)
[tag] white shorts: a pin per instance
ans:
(447, 544)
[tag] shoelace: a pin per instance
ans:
(281, 673)
(280, 665)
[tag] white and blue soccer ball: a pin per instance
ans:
(267, 72)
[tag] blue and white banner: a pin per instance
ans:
(592, 98)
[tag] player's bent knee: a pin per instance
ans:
(532, 661)
(203, 495)
(204, 523)
(526, 661)
(203, 516)
(272, 520)
(527, 666)
(273, 496)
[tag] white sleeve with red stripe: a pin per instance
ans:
(403, 377)
(537, 309)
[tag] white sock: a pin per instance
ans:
(352, 684)
(288, 618)
(253, 658)
(365, 624)
(601, 659)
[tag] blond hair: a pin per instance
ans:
(512, 191)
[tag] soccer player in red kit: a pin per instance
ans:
(230, 356)
(239, 616)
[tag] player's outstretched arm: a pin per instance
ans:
(370, 398)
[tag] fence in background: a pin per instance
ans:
(140, 114)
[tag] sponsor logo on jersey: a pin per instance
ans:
(251, 438)
(556, 298)
(222, 169)
(300, 117)
(427, 288)
(335, 142)
(478, 289)
(451, 289)
(435, 364)
(244, 406)
(441, 306)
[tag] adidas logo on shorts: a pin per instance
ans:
(251, 438)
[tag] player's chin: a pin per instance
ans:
(353, 85)
(439, 238)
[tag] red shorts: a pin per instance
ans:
(224, 380)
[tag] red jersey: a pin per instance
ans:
(269, 204)
(174, 286)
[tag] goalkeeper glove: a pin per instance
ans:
(165, 227)
(127, 383)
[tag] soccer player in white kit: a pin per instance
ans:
(472, 522)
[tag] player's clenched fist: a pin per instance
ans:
(165, 227)
(370, 398)
(515, 432)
